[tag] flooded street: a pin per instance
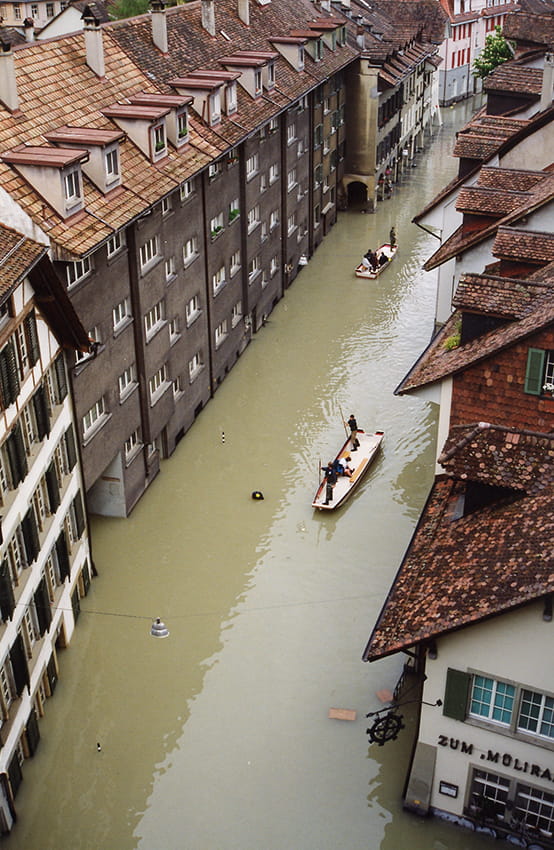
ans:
(218, 737)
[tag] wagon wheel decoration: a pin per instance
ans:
(385, 728)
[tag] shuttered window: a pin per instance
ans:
(63, 556)
(42, 413)
(19, 665)
(17, 456)
(61, 382)
(79, 516)
(70, 448)
(32, 732)
(76, 604)
(9, 376)
(53, 488)
(535, 371)
(30, 535)
(456, 694)
(52, 673)
(32, 338)
(7, 599)
(42, 607)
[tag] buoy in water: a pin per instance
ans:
(257, 495)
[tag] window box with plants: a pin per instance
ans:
(233, 214)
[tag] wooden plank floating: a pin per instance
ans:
(342, 714)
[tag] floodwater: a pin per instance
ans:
(218, 737)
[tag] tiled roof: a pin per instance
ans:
(17, 255)
(437, 362)
(489, 201)
(524, 245)
(455, 571)
(539, 195)
(496, 296)
(514, 179)
(481, 138)
(514, 78)
(531, 28)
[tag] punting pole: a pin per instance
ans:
(343, 421)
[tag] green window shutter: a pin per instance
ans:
(30, 535)
(59, 366)
(70, 446)
(52, 488)
(7, 599)
(63, 556)
(42, 607)
(42, 414)
(535, 371)
(32, 338)
(456, 694)
(79, 515)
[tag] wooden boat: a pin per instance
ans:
(360, 461)
(370, 274)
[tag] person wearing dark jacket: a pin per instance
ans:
(353, 425)
(330, 481)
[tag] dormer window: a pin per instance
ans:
(215, 108)
(318, 50)
(231, 98)
(182, 126)
(159, 140)
(72, 187)
(112, 166)
(271, 75)
(257, 83)
(301, 58)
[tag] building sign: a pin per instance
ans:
(448, 789)
(493, 757)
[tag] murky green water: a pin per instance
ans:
(218, 737)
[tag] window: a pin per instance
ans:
(190, 250)
(265, 279)
(318, 136)
(221, 333)
(78, 271)
(195, 365)
(535, 808)
(94, 336)
(273, 219)
(326, 105)
(148, 252)
(235, 263)
(233, 210)
(112, 165)
(273, 125)
(273, 172)
(492, 700)
(127, 381)
(94, 418)
(536, 714)
(216, 225)
(174, 331)
(169, 268)
(213, 170)
(186, 189)
(539, 376)
(132, 445)
(158, 139)
(291, 224)
(253, 218)
(231, 98)
(263, 231)
(72, 186)
(34, 10)
(236, 314)
(263, 183)
(317, 215)
(257, 83)
(273, 266)
(157, 384)
(178, 386)
(121, 314)
(215, 108)
(218, 280)
(300, 57)
(182, 126)
(49, 10)
(192, 309)
(291, 133)
(251, 166)
(115, 243)
(253, 268)
(490, 792)
(271, 75)
(166, 206)
(154, 319)
(291, 179)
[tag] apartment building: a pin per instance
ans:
(45, 562)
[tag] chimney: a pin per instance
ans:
(208, 16)
(244, 11)
(159, 24)
(29, 29)
(326, 4)
(8, 86)
(93, 43)
(547, 81)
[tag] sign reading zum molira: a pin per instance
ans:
(504, 759)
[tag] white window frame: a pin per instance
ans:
(186, 189)
(132, 445)
(78, 271)
(273, 172)
(127, 382)
(94, 418)
(253, 218)
(234, 263)
(149, 253)
(190, 250)
(157, 384)
(112, 165)
(216, 225)
(192, 309)
(252, 166)
(170, 268)
(236, 314)
(195, 366)
(273, 219)
(121, 314)
(154, 319)
(218, 280)
(221, 333)
(254, 268)
(115, 243)
(291, 179)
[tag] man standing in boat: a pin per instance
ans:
(330, 481)
(353, 425)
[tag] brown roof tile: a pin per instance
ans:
(17, 255)
(524, 245)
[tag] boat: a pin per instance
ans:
(389, 251)
(360, 461)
